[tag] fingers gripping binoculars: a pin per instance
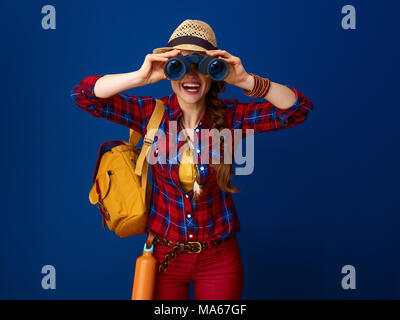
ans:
(176, 67)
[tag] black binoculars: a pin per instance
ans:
(176, 67)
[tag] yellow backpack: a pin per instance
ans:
(120, 182)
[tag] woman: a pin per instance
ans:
(192, 212)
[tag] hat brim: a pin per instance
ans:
(191, 47)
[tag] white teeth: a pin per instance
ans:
(189, 85)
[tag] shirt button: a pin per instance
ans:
(201, 168)
(198, 150)
(189, 216)
(197, 130)
(190, 236)
(186, 195)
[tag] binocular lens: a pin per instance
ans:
(217, 69)
(175, 69)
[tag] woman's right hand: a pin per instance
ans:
(152, 69)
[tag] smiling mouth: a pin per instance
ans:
(191, 87)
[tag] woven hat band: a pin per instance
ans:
(191, 40)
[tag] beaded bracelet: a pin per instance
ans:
(260, 89)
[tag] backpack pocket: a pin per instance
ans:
(114, 190)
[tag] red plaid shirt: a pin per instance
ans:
(173, 213)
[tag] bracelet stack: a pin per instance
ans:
(260, 89)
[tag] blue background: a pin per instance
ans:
(323, 194)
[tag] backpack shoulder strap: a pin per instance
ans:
(151, 130)
(134, 136)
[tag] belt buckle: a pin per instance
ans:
(198, 243)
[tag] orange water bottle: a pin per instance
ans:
(145, 275)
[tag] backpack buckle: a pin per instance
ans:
(147, 140)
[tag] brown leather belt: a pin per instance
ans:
(184, 247)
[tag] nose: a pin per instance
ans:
(193, 68)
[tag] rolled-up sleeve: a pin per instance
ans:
(264, 116)
(128, 110)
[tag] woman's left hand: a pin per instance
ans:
(237, 74)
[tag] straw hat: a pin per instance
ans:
(193, 35)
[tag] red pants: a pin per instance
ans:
(217, 273)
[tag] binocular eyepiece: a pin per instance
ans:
(176, 67)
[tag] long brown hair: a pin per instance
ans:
(216, 112)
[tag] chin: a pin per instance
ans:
(192, 99)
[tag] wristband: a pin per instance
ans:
(260, 89)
